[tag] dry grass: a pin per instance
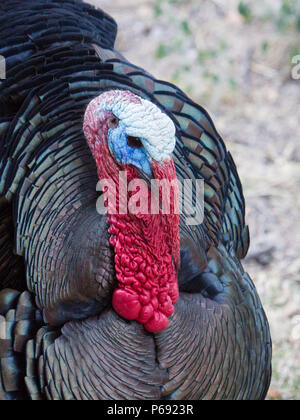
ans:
(239, 67)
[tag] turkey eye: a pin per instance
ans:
(134, 142)
(113, 122)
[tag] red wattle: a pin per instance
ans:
(158, 322)
(146, 260)
(146, 246)
(126, 304)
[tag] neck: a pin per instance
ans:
(146, 256)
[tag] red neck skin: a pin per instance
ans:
(147, 253)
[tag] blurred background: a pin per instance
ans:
(236, 59)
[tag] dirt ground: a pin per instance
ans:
(236, 60)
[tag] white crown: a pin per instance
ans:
(143, 120)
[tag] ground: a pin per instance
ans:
(236, 60)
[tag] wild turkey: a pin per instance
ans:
(60, 266)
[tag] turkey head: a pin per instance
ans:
(131, 141)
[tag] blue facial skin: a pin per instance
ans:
(125, 154)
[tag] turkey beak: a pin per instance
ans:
(148, 179)
(144, 176)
